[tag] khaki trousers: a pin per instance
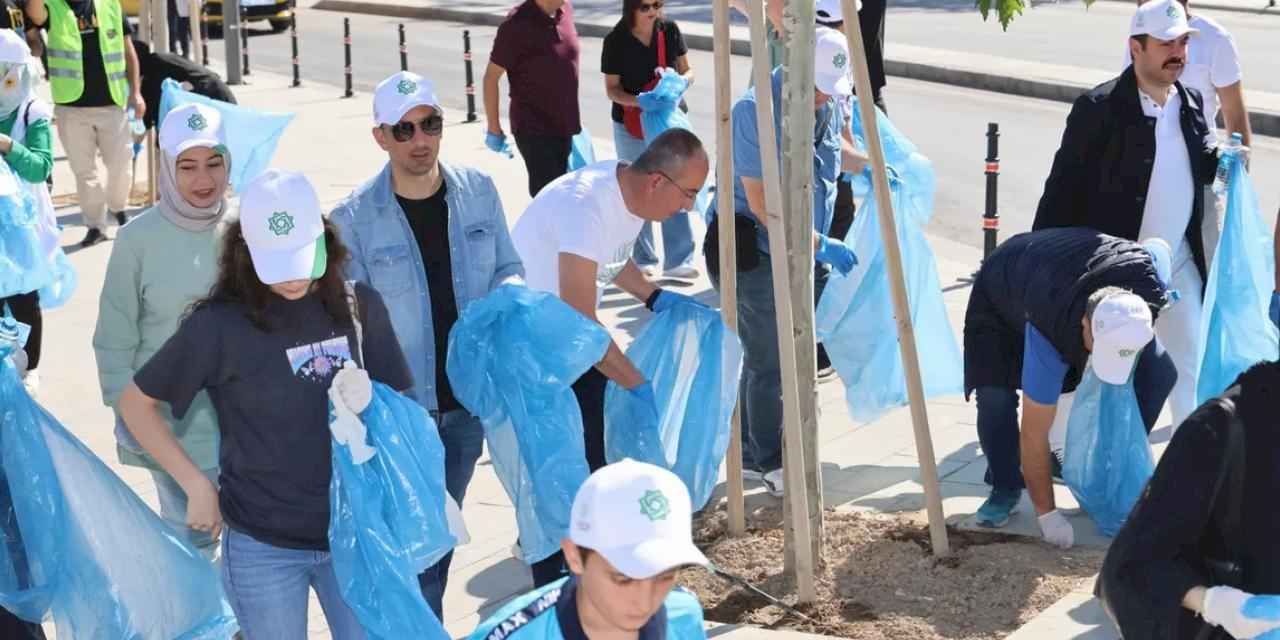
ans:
(85, 132)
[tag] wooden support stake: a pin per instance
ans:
(193, 15)
(728, 248)
(898, 287)
(793, 445)
(798, 187)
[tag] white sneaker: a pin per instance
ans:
(650, 271)
(517, 552)
(752, 475)
(685, 271)
(32, 383)
(773, 483)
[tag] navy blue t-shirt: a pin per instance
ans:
(270, 392)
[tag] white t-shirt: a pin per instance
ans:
(1171, 192)
(581, 213)
(1213, 62)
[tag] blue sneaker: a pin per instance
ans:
(995, 512)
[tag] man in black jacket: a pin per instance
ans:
(196, 78)
(1134, 158)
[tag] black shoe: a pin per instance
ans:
(93, 237)
(1055, 468)
(121, 217)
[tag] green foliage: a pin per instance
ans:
(1006, 10)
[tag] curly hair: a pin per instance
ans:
(237, 281)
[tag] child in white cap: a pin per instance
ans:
(161, 262)
(630, 534)
(273, 335)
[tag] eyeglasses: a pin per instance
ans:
(431, 125)
(646, 7)
(692, 195)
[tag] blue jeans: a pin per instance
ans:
(267, 587)
(463, 438)
(173, 509)
(998, 430)
(677, 231)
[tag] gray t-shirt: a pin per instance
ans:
(270, 392)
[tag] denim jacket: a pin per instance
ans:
(385, 254)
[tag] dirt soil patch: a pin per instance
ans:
(881, 581)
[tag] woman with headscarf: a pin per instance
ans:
(27, 147)
(163, 261)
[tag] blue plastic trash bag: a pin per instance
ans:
(694, 364)
(1235, 330)
(64, 283)
(855, 314)
(582, 152)
(79, 546)
(251, 135)
(513, 356)
(386, 519)
(24, 265)
(668, 115)
(1107, 459)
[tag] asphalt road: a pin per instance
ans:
(947, 123)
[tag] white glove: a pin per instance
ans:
(346, 425)
(1243, 615)
(1056, 530)
(354, 387)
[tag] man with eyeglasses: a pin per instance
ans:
(431, 237)
(576, 239)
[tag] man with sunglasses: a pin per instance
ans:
(576, 239)
(537, 48)
(431, 237)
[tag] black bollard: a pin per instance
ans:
(244, 43)
(990, 217)
(404, 51)
(346, 45)
(471, 87)
(293, 37)
(204, 38)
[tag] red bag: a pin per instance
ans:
(631, 115)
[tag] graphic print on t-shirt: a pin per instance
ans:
(318, 361)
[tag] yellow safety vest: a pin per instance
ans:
(66, 56)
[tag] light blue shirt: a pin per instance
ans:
(385, 255)
(826, 156)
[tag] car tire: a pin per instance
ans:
(279, 26)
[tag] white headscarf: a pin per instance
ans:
(186, 127)
(17, 72)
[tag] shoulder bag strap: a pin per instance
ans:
(354, 306)
(662, 45)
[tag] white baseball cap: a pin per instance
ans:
(1161, 19)
(191, 125)
(831, 63)
(1121, 329)
(638, 516)
(283, 225)
(399, 94)
(831, 12)
(13, 48)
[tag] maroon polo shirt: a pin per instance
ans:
(540, 54)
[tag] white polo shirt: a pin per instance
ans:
(1171, 191)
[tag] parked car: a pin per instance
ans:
(275, 12)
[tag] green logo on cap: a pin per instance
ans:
(654, 505)
(840, 60)
(1126, 353)
(197, 122)
(280, 223)
(1172, 11)
(406, 87)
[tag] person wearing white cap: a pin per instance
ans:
(162, 261)
(425, 220)
(1045, 306)
(576, 238)
(629, 535)
(273, 335)
(27, 147)
(1135, 158)
(761, 377)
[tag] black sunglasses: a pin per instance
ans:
(651, 6)
(431, 125)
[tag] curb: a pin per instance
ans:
(1265, 123)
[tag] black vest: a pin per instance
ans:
(1046, 277)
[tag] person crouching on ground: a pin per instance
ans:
(267, 344)
(630, 533)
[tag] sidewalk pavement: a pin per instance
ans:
(870, 467)
(1002, 74)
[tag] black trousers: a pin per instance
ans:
(26, 309)
(545, 158)
(589, 390)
